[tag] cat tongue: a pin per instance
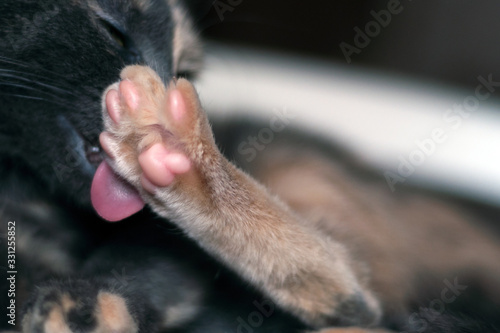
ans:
(112, 197)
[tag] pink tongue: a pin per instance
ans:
(112, 197)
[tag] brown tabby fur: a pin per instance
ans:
(328, 246)
(331, 250)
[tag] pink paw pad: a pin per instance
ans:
(127, 95)
(141, 104)
(177, 105)
(160, 166)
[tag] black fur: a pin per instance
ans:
(56, 59)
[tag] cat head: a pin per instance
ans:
(56, 59)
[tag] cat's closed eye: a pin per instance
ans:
(122, 42)
(115, 33)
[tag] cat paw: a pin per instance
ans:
(343, 307)
(77, 306)
(155, 135)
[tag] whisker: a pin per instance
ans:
(23, 96)
(37, 99)
(28, 74)
(26, 65)
(14, 69)
(2, 75)
(18, 85)
(56, 99)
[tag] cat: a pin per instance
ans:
(322, 246)
(49, 154)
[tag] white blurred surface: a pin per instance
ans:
(378, 117)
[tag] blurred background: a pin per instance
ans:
(409, 86)
(448, 41)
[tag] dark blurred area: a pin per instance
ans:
(448, 41)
